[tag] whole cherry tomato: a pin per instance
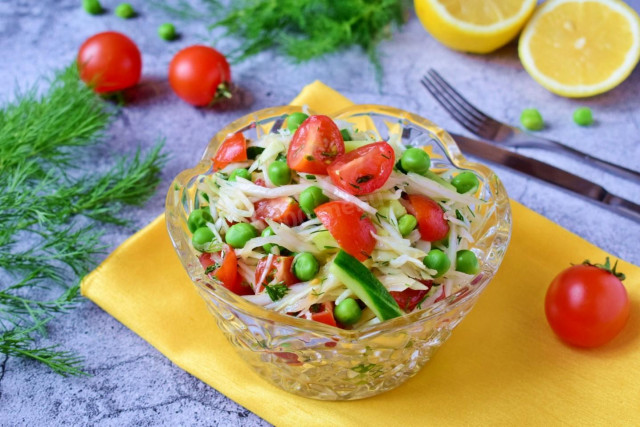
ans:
(587, 305)
(109, 62)
(199, 75)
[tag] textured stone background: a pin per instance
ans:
(131, 383)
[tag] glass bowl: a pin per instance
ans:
(319, 361)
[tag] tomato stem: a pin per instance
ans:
(607, 267)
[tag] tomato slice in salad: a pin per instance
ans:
(276, 270)
(227, 272)
(410, 298)
(323, 313)
(364, 169)
(284, 210)
(431, 222)
(315, 145)
(351, 228)
(233, 149)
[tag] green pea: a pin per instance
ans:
(198, 218)
(406, 224)
(465, 182)
(305, 266)
(438, 261)
(92, 7)
(125, 11)
(279, 173)
(167, 31)
(348, 311)
(239, 234)
(467, 262)
(346, 136)
(311, 198)
(295, 120)
(242, 173)
(531, 119)
(201, 237)
(267, 248)
(415, 160)
(583, 116)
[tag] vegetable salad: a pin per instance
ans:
(323, 221)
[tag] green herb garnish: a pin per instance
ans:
(53, 199)
(301, 29)
(276, 291)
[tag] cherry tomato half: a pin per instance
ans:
(233, 149)
(278, 270)
(349, 226)
(109, 62)
(431, 222)
(196, 74)
(315, 145)
(323, 313)
(363, 170)
(227, 272)
(284, 210)
(586, 306)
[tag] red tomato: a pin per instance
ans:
(409, 298)
(315, 145)
(364, 169)
(233, 149)
(324, 313)
(587, 306)
(227, 273)
(278, 270)
(109, 62)
(197, 74)
(284, 210)
(430, 216)
(349, 226)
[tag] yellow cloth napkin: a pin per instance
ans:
(502, 365)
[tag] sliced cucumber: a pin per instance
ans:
(365, 285)
(324, 241)
(437, 178)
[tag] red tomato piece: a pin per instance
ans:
(364, 169)
(315, 145)
(198, 73)
(431, 222)
(277, 271)
(109, 61)
(410, 298)
(587, 306)
(227, 272)
(233, 149)
(351, 228)
(284, 210)
(324, 313)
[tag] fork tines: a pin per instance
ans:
(462, 110)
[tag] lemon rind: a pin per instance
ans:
(509, 23)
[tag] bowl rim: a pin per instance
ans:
(212, 288)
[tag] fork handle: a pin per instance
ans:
(523, 140)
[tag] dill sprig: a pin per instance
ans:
(51, 208)
(302, 29)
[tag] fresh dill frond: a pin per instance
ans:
(302, 29)
(276, 291)
(52, 208)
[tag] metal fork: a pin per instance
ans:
(486, 127)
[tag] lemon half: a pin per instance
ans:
(478, 26)
(579, 48)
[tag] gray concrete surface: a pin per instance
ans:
(131, 383)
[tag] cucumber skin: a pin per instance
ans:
(353, 274)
